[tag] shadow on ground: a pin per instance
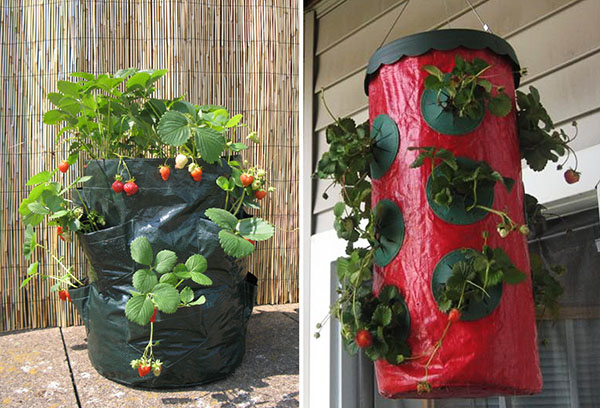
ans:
(267, 377)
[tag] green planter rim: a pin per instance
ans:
(441, 40)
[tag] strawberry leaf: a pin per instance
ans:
(500, 105)
(144, 280)
(222, 218)
(68, 88)
(435, 71)
(201, 279)
(234, 245)
(37, 208)
(210, 143)
(29, 242)
(338, 209)
(186, 295)
(41, 177)
(512, 275)
(181, 271)
(25, 282)
(225, 185)
(200, 301)
(166, 297)
(139, 309)
(174, 128)
(169, 278)
(255, 229)
(141, 251)
(32, 270)
(196, 263)
(165, 261)
(238, 147)
(234, 121)
(382, 315)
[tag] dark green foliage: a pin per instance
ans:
(158, 285)
(385, 317)
(533, 214)
(451, 177)
(465, 92)
(547, 289)
(471, 278)
(347, 163)
(539, 140)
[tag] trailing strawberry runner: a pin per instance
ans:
(159, 212)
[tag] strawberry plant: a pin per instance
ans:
(539, 140)
(466, 91)
(115, 116)
(158, 287)
(546, 286)
(375, 324)
(452, 179)
(113, 119)
(471, 279)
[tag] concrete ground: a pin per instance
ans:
(50, 368)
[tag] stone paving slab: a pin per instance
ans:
(34, 371)
(267, 377)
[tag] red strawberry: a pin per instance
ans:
(130, 187)
(246, 179)
(144, 370)
(62, 294)
(251, 241)
(260, 194)
(153, 318)
(363, 338)
(63, 166)
(572, 176)
(454, 315)
(165, 172)
(117, 186)
(196, 174)
(59, 232)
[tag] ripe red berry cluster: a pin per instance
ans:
(130, 187)
(247, 179)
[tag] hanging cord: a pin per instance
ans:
(485, 26)
(394, 24)
(447, 14)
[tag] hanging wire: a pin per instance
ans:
(485, 26)
(394, 24)
(447, 14)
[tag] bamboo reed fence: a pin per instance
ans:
(242, 54)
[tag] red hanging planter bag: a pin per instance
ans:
(494, 350)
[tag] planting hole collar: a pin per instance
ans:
(444, 121)
(456, 212)
(474, 310)
(389, 227)
(387, 139)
